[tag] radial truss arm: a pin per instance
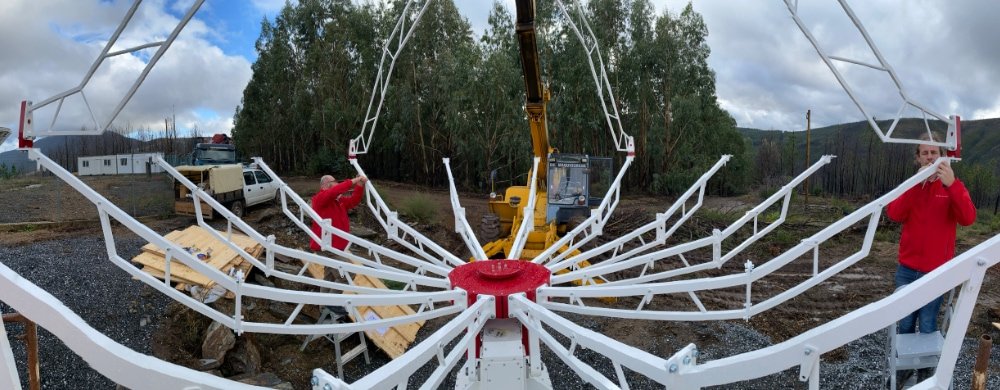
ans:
(461, 223)
(539, 321)
(402, 233)
(592, 227)
(659, 225)
(451, 301)
(966, 270)
(647, 291)
(29, 132)
(631, 258)
(623, 141)
(327, 231)
(952, 137)
(527, 215)
(401, 33)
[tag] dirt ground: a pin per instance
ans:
(45, 209)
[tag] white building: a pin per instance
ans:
(118, 164)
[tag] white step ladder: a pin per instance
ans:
(328, 316)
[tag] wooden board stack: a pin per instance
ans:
(198, 241)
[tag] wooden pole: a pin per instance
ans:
(982, 363)
(30, 338)
(808, 161)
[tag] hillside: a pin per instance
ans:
(980, 138)
(66, 149)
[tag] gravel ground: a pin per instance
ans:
(77, 271)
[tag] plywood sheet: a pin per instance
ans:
(393, 340)
(198, 240)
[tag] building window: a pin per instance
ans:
(124, 162)
(86, 164)
(107, 162)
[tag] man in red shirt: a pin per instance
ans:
(331, 202)
(929, 213)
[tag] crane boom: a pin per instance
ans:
(535, 93)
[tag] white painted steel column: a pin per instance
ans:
(527, 215)
(8, 377)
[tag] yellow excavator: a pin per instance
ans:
(565, 182)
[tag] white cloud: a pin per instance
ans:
(65, 38)
(768, 74)
(269, 7)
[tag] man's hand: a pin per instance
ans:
(359, 180)
(945, 173)
(932, 177)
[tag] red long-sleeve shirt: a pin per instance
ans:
(929, 213)
(330, 203)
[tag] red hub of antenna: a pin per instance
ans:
(499, 278)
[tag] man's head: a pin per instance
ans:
(927, 154)
(326, 181)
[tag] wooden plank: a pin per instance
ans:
(997, 325)
(150, 247)
(159, 274)
(176, 269)
(186, 207)
(197, 237)
(393, 340)
(201, 241)
(315, 270)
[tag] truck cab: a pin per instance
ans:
(258, 187)
(213, 154)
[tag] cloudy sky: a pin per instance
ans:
(946, 55)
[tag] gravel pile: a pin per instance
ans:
(78, 273)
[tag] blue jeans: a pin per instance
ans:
(926, 315)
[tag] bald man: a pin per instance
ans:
(331, 202)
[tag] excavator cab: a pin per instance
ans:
(576, 182)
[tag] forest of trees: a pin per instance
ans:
(453, 95)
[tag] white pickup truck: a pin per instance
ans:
(224, 183)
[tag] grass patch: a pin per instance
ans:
(782, 237)
(420, 208)
(886, 235)
(771, 216)
(394, 285)
(716, 217)
(30, 227)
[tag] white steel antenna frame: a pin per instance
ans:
(359, 144)
(363, 266)
(401, 232)
(235, 283)
(527, 215)
(871, 211)
(951, 139)
(682, 371)
(628, 259)
(662, 233)
(591, 227)
(28, 131)
(623, 141)
(327, 231)
(461, 223)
